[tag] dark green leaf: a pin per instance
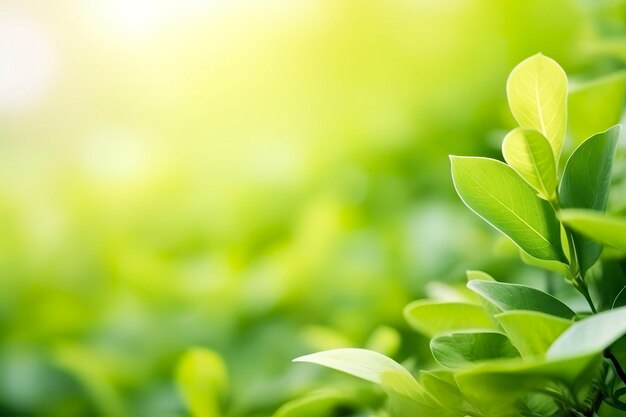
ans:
(585, 185)
(520, 297)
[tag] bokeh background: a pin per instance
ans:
(260, 178)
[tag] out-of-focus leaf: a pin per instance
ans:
(532, 332)
(520, 297)
(495, 192)
(609, 230)
(457, 350)
(202, 379)
(537, 405)
(596, 105)
(432, 318)
(316, 404)
(585, 185)
(537, 94)
(529, 153)
(385, 340)
(362, 363)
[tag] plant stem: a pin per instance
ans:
(574, 267)
(618, 368)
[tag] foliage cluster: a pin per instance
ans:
(505, 349)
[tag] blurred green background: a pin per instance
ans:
(261, 178)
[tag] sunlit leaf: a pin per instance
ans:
(590, 336)
(532, 332)
(457, 350)
(537, 94)
(585, 185)
(432, 318)
(442, 386)
(507, 296)
(609, 230)
(529, 153)
(362, 363)
(409, 398)
(203, 382)
(495, 192)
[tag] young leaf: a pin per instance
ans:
(609, 230)
(408, 397)
(529, 153)
(457, 350)
(313, 405)
(432, 318)
(596, 105)
(591, 335)
(441, 386)
(496, 193)
(203, 382)
(585, 185)
(520, 297)
(537, 93)
(362, 363)
(532, 332)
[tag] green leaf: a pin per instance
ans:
(457, 350)
(520, 297)
(554, 266)
(529, 153)
(590, 336)
(596, 105)
(362, 363)
(432, 318)
(409, 398)
(573, 359)
(532, 332)
(609, 230)
(512, 379)
(313, 405)
(441, 386)
(585, 185)
(496, 193)
(202, 379)
(537, 93)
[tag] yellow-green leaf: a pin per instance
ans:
(532, 332)
(432, 318)
(537, 93)
(203, 382)
(529, 153)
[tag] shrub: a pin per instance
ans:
(509, 349)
